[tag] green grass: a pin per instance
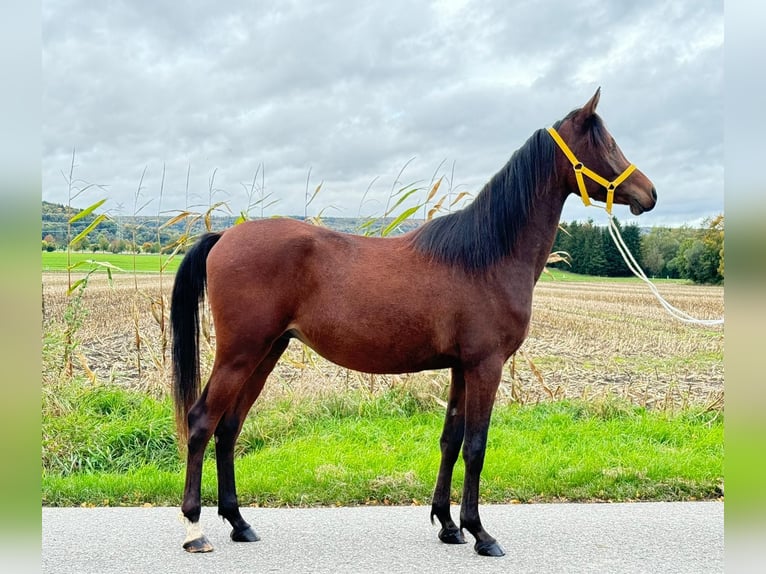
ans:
(564, 276)
(109, 446)
(106, 429)
(144, 262)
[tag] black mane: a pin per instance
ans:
(480, 235)
(484, 232)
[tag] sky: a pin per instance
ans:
(233, 98)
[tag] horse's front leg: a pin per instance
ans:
(451, 440)
(481, 387)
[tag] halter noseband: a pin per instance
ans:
(581, 170)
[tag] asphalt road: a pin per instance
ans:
(640, 537)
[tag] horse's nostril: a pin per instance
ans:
(654, 193)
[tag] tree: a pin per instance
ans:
(593, 257)
(659, 249)
(81, 245)
(704, 264)
(615, 265)
(654, 262)
(699, 256)
(103, 242)
(118, 246)
(49, 243)
(631, 235)
(713, 240)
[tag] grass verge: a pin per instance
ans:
(144, 262)
(112, 446)
(564, 276)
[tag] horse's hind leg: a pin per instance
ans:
(451, 440)
(226, 436)
(226, 381)
(191, 507)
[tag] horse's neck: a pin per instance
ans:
(534, 242)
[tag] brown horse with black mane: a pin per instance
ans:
(455, 294)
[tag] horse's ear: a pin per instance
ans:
(589, 109)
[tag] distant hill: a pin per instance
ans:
(123, 227)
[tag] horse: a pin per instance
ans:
(455, 293)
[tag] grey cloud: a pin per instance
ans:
(352, 91)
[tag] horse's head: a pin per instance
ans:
(595, 166)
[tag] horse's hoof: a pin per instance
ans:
(490, 548)
(201, 544)
(451, 536)
(246, 535)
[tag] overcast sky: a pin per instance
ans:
(347, 93)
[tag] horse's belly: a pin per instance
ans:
(376, 352)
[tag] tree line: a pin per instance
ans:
(696, 254)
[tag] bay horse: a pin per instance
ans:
(455, 293)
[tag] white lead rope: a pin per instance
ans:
(630, 261)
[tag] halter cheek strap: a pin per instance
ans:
(581, 170)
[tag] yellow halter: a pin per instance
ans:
(581, 170)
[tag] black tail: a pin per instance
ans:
(188, 293)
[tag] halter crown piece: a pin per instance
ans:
(581, 170)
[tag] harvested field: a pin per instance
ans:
(588, 340)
